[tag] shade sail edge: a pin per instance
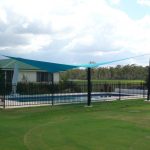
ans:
(47, 66)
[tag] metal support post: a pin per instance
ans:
(52, 89)
(89, 86)
(119, 91)
(148, 93)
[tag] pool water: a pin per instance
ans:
(62, 97)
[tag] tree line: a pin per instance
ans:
(119, 72)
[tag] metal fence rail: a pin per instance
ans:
(35, 94)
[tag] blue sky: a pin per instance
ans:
(75, 31)
(134, 9)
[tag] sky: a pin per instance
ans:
(75, 31)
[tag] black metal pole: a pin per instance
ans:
(3, 100)
(4, 104)
(148, 93)
(119, 90)
(5, 76)
(143, 87)
(89, 86)
(52, 89)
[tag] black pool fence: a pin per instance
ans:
(37, 94)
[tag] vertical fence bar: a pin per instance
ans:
(4, 91)
(52, 96)
(148, 93)
(143, 85)
(119, 86)
(4, 100)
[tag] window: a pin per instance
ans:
(44, 77)
(8, 75)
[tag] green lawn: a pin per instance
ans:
(119, 125)
(112, 81)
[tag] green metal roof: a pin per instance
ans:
(10, 63)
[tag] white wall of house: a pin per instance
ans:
(56, 77)
(27, 76)
(30, 76)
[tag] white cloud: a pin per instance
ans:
(81, 30)
(144, 2)
(3, 17)
(36, 44)
(116, 2)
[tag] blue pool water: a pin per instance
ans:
(62, 97)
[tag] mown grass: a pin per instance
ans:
(111, 81)
(118, 125)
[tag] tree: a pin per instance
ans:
(126, 72)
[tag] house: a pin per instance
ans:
(27, 73)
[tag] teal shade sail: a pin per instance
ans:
(96, 65)
(55, 67)
(47, 66)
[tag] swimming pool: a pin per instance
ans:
(59, 97)
(15, 101)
